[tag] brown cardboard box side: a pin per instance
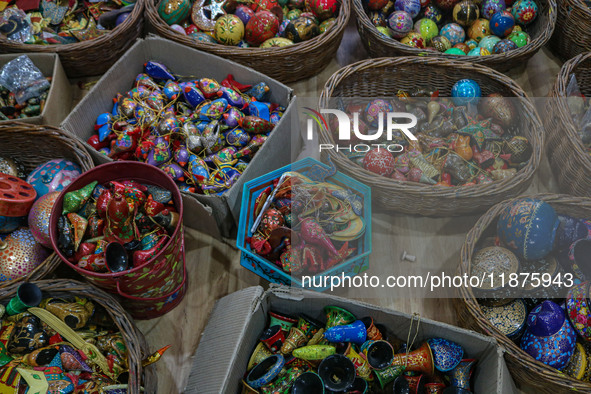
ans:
(239, 318)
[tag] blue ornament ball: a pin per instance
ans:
(466, 91)
(502, 23)
(454, 33)
(491, 7)
(413, 7)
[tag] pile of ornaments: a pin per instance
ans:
(462, 141)
(306, 226)
(51, 22)
(61, 345)
(25, 208)
(117, 226)
(466, 27)
(262, 23)
(300, 355)
(200, 132)
(547, 313)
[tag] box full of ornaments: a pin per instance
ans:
(33, 89)
(305, 220)
(209, 123)
(298, 341)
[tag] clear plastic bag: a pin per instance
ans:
(23, 78)
(15, 25)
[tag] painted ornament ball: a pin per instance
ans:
(471, 43)
(491, 7)
(502, 23)
(489, 42)
(53, 176)
(244, 13)
(327, 25)
(378, 18)
(520, 38)
(479, 30)
(301, 29)
(262, 26)
(39, 218)
(174, 11)
(465, 13)
(441, 43)
(454, 33)
(427, 29)
(400, 23)
(413, 7)
(504, 46)
(379, 161)
(463, 47)
(375, 109)
(385, 31)
(21, 256)
(376, 5)
(413, 39)
(276, 42)
(455, 51)
(466, 91)
(524, 11)
(479, 51)
(229, 30)
(323, 9)
(446, 5)
(434, 13)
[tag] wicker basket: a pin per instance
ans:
(569, 160)
(34, 145)
(540, 31)
(382, 78)
(572, 35)
(524, 368)
(91, 57)
(136, 344)
(286, 64)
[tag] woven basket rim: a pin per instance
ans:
(113, 308)
(471, 305)
(423, 190)
(396, 46)
(120, 30)
(579, 5)
(224, 50)
(558, 99)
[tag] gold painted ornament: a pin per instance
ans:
(229, 30)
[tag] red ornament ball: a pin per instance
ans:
(376, 5)
(379, 161)
(446, 4)
(323, 9)
(262, 26)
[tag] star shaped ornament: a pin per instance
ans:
(91, 31)
(204, 16)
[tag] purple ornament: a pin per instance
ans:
(275, 117)
(174, 171)
(413, 7)
(231, 117)
(53, 176)
(122, 17)
(504, 46)
(237, 137)
(244, 13)
(400, 23)
(491, 7)
(374, 109)
(232, 97)
(181, 156)
(159, 153)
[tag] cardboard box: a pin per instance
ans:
(59, 99)
(184, 61)
(238, 320)
(266, 269)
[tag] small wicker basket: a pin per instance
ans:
(385, 76)
(286, 64)
(91, 57)
(572, 35)
(136, 344)
(34, 145)
(569, 159)
(540, 31)
(524, 368)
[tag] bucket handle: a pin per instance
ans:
(125, 295)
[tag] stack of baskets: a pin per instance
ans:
(32, 146)
(524, 368)
(91, 57)
(383, 78)
(572, 35)
(569, 159)
(286, 64)
(540, 31)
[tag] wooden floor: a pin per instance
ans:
(214, 268)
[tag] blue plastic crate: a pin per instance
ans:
(356, 264)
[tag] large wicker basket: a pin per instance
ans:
(136, 344)
(569, 160)
(34, 145)
(572, 35)
(286, 64)
(540, 31)
(383, 78)
(524, 368)
(91, 57)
